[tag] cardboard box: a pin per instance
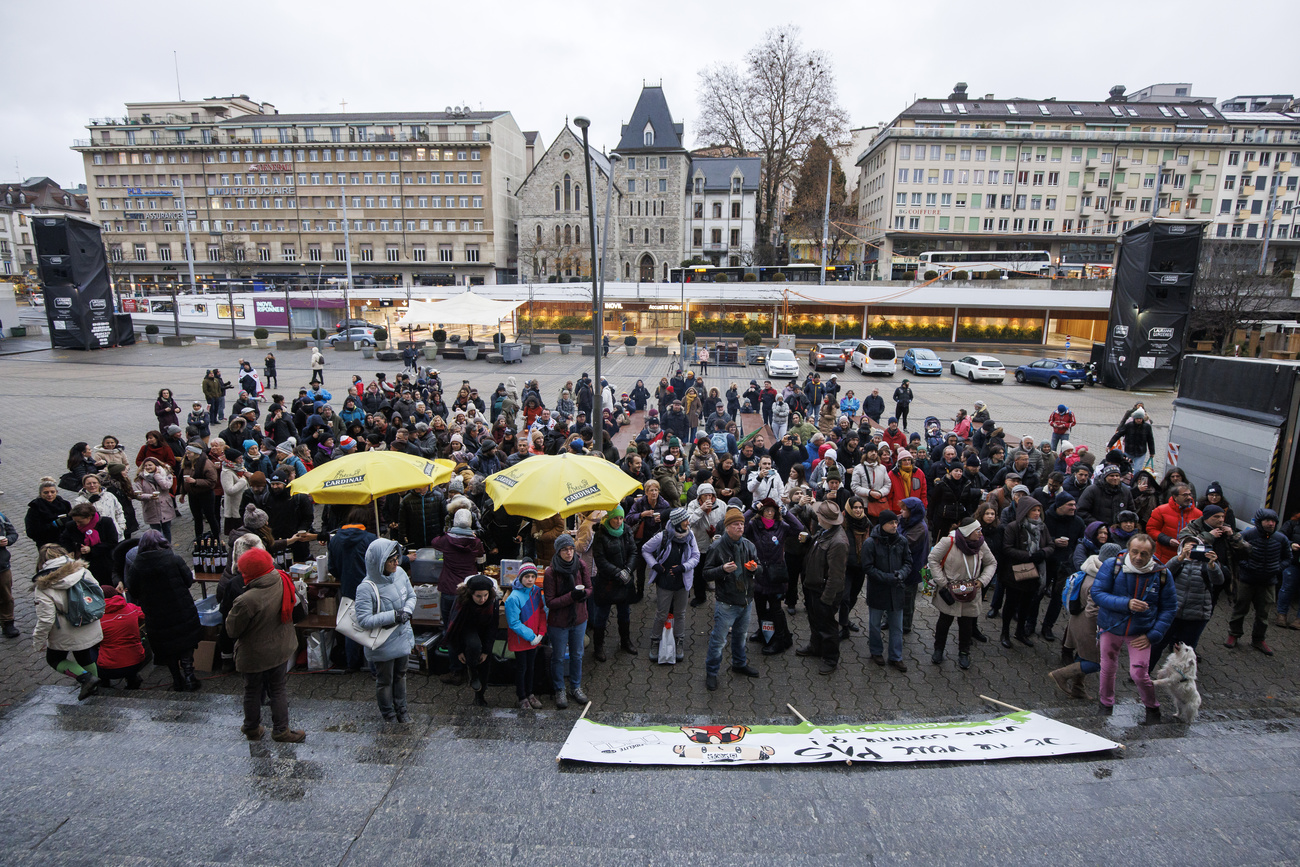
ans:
(327, 605)
(419, 659)
(303, 571)
(205, 655)
(509, 572)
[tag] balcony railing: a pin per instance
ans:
(715, 248)
(222, 138)
(1174, 136)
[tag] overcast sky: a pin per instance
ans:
(70, 61)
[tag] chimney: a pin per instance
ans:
(1117, 94)
(958, 92)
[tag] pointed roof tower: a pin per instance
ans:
(651, 127)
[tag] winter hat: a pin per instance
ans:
(1065, 446)
(677, 515)
(194, 448)
(833, 472)
(1060, 407)
(564, 540)
(116, 469)
(1021, 489)
(893, 419)
(456, 485)
(173, 430)
(1139, 413)
(733, 514)
(1061, 499)
(979, 404)
(347, 443)
(527, 568)
(280, 476)
(463, 519)
(248, 410)
(1110, 549)
(477, 583)
(973, 461)
(968, 526)
(254, 518)
(705, 488)
(885, 517)
(232, 455)
(830, 455)
(674, 441)
(576, 444)
(1214, 488)
(255, 562)
(1126, 515)
(258, 478)
(1211, 510)
(669, 460)
(1109, 469)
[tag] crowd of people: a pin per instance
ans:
(755, 494)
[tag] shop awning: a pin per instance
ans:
(465, 309)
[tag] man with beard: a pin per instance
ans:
(289, 515)
(1105, 499)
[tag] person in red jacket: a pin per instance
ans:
(121, 655)
(1061, 422)
(1168, 521)
(894, 436)
(905, 480)
(155, 446)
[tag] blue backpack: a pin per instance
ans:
(85, 602)
(1070, 593)
(719, 443)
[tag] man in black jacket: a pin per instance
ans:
(421, 517)
(290, 515)
(730, 564)
(1104, 500)
(1064, 530)
(1269, 551)
(823, 586)
(1139, 441)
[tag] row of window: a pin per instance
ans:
(289, 253)
(303, 225)
(363, 155)
(715, 237)
(1263, 157)
(1255, 230)
(697, 211)
(264, 179)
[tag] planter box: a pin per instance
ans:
(347, 346)
(387, 355)
(234, 342)
(471, 352)
(290, 344)
(18, 331)
(152, 338)
(431, 351)
(565, 347)
(587, 349)
(631, 350)
(656, 351)
(535, 348)
(183, 340)
(367, 352)
(263, 344)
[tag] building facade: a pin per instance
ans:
(722, 209)
(982, 174)
(653, 179)
(19, 203)
(427, 197)
(553, 242)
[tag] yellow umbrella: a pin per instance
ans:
(364, 477)
(545, 485)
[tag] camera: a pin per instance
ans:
(1200, 552)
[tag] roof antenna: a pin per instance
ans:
(176, 64)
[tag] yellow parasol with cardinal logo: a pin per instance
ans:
(546, 485)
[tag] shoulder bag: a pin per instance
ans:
(346, 622)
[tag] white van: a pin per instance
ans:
(875, 356)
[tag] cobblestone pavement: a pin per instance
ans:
(50, 399)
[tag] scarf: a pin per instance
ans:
(1151, 566)
(906, 476)
(617, 512)
(567, 569)
(91, 533)
(967, 546)
(288, 595)
(768, 523)
(857, 526)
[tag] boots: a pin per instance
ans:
(598, 645)
(10, 630)
(625, 642)
(192, 683)
(1069, 680)
(89, 683)
(1152, 717)
(179, 683)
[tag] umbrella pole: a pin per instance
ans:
(378, 529)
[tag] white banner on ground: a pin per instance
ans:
(1014, 736)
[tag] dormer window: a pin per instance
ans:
(648, 136)
(699, 186)
(735, 185)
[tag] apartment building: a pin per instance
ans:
(1259, 195)
(425, 197)
(722, 209)
(978, 174)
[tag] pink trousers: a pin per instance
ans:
(1139, 662)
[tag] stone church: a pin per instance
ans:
(652, 177)
(553, 242)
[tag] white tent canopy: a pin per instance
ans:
(464, 309)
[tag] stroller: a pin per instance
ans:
(933, 433)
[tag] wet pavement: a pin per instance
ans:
(156, 779)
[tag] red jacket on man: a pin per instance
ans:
(1165, 525)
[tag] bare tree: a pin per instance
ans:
(780, 98)
(237, 258)
(1229, 294)
(808, 205)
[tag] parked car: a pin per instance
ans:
(1052, 372)
(826, 356)
(848, 346)
(781, 363)
(977, 367)
(922, 361)
(875, 356)
(364, 336)
(352, 323)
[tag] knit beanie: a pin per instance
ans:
(255, 563)
(254, 518)
(463, 520)
(564, 540)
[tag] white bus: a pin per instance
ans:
(1013, 263)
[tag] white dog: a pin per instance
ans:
(1178, 673)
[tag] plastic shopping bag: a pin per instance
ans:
(320, 644)
(768, 628)
(668, 644)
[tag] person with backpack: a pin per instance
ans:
(1136, 601)
(961, 566)
(1081, 625)
(69, 605)
(159, 583)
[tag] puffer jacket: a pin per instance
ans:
(121, 647)
(1101, 502)
(53, 631)
(615, 557)
(420, 518)
(1193, 581)
(658, 548)
(347, 557)
(886, 563)
(1115, 588)
(771, 545)
(525, 609)
(161, 509)
(380, 597)
(1268, 553)
(461, 555)
(736, 587)
(1166, 524)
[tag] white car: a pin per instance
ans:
(782, 364)
(979, 367)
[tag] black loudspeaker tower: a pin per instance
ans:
(1151, 300)
(78, 292)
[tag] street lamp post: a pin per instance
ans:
(597, 312)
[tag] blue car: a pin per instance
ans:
(1052, 372)
(922, 362)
